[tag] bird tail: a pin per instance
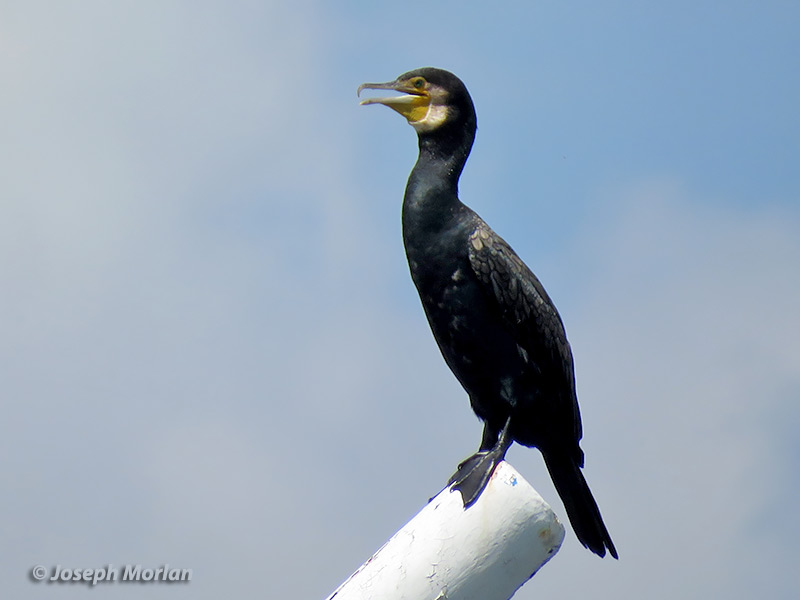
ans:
(582, 510)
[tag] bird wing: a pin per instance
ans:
(527, 312)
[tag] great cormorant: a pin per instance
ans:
(495, 325)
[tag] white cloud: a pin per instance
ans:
(686, 363)
(170, 221)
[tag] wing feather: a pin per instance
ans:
(525, 309)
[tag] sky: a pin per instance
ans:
(212, 354)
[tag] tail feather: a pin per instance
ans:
(582, 510)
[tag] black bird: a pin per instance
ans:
(495, 325)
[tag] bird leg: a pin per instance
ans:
(473, 474)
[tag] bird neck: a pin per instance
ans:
(446, 150)
(433, 183)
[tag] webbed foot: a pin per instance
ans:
(474, 473)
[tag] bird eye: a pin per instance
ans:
(419, 83)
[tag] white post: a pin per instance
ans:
(445, 552)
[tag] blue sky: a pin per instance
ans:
(211, 351)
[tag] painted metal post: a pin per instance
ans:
(445, 552)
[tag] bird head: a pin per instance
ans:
(429, 98)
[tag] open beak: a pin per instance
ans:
(413, 104)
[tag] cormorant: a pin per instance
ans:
(495, 325)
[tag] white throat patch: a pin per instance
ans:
(435, 117)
